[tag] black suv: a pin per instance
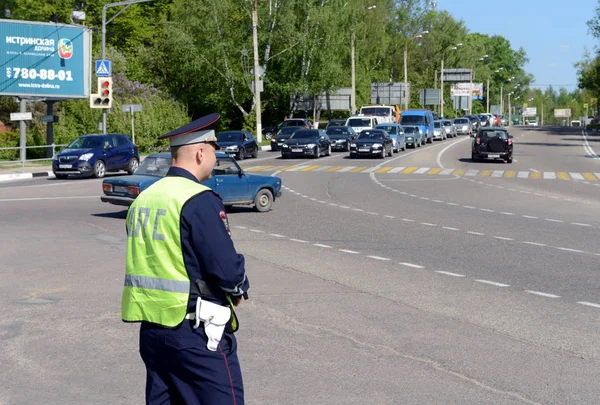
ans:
(270, 132)
(492, 143)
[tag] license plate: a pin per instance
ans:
(364, 150)
(65, 166)
(121, 189)
(493, 156)
(297, 150)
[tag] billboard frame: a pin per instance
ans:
(86, 47)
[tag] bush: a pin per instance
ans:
(9, 140)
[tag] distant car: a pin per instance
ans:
(235, 186)
(492, 143)
(449, 128)
(396, 132)
(463, 126)
(438, 131)
(336, 123)
(94, 155)
(282, 135)
(240, 144)
(413, 136)
(372, 142)
(270, 132)
(475, 122)
(341, 137)
(307, 142)
(533, 123)
(575, 123)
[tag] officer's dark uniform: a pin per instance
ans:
(180, 367)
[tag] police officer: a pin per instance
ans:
(184, 278)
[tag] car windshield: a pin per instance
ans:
(410, 130)
(371, 135)
(437, 125)
(292, 123)
(493, 134)
(359, 122)
(154, 166)
(381, 111)
(86, 142)
(338, 131)
(305, 135)
(391, 129)
(230, 137)
(412, 119)
(461, 121)
(287, 131)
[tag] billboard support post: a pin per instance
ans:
(22, 132)
(50, 129)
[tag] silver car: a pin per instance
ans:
(450, 128)
(463, 126)
(438, 131)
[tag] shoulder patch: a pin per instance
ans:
(223, 216)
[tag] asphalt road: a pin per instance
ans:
(421, 278)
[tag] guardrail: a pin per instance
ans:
(53, 146)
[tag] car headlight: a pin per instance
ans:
(377, 145)
(311, 145)
(233, 148)
(285, 146)
(410, 138)
(421, 131)
(86, 156)
(353, 145)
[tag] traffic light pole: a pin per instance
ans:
(104, 24)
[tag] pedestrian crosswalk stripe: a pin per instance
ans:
(358, 169)
(549, 175)
(322, 168)
(577, 176)
(497, 173)
(336, 169)
(485, 173)
(563, 176)
(446, 172)
(589, 176)
(370, 169)
(285, 168)
(510, 174)
(308, 169)
(297, 168)
(435, 170)
(472, 173)
(396, 170)
(384, 169)
(409, 170)
(523, 175)
(422, 170)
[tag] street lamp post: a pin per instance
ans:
(126, 3)
(442, 76)
(419, 36)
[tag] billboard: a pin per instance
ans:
(466, 89)
(562, 113)
(44, 60)
(389, 93)
(457, 75)
(338, 100)
(530, 112)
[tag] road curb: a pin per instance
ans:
(23, 176)
(268, 147)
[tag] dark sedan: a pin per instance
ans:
(372, 142)
(240, 144)
(341, 137)
(307, 142)
(282, 135)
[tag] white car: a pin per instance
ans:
(533, 123)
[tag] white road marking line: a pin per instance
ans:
(453, 204)
(313, 199)
(450, 228)
(469, 207)
(529, 216)
(497, 173)
(538, 194)
(507, 213)
(424, 198)
(357, 209)
(372, 213)
(277, 235)
(333, 205)
(412, 195)
(447, 273)
(579, 224)
(512, 189)
(553, 220)
(344, 206)
(256, 230)
(533, 170)
(446, 172)
(397, 169)
(321, 245)
(427, 224)
(553, 196)
(542, 294)
(524, 192)
(570, 250)
(523, 175)
(403, 193)
(437, 201)
(240, 227)
(472, 173)
(535, 243)
(416, 266)
(383, 259)
(346, 169)
(549, 176)
(298, 240)
(320, 169)
(486, 210)
(349, 251)
(322, 202)
(422, 170)
(295, 169)
(576, 176)
(589, 304)
(389, 216)
(408, 220)
(492, 283)
(370, 169)
(476, 233)
(502, 238)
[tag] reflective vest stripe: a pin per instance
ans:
(152, 283)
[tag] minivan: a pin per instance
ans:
(423, 119)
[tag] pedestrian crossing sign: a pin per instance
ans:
(103, 68)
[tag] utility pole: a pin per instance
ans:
(405, 75)
(257, 77)
(353, 57)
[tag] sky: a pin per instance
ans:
(553, 33)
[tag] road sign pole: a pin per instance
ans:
(103, 58)
(22, 132)
(132, 125)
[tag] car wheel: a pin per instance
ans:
(383, 153)
(60, 176)
(391, 152)
(429, 140)
(99, 169)
(263, 200)
(329, 150)
(317, 152)
(509, 160)
(134, 163)
(242, 154)
(255, 154)
(473, 157)
(404, 148)
(269, 136)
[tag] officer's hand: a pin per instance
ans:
(236, 301)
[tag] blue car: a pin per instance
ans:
(94, 155)
(235, 186)
(396, 132)
(240, 144)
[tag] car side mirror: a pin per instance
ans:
(241, 173)
(510, 137)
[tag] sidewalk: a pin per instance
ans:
(18, 171)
